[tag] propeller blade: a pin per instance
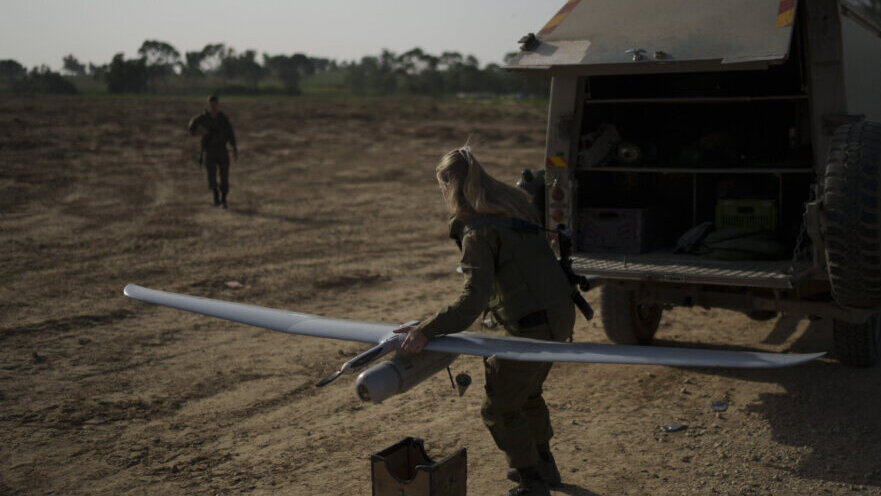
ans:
(327, 380)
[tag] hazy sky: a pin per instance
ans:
(43, 31)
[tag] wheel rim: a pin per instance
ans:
(647, 313)
(647, 318)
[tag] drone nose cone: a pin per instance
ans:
(362, 392)
(378, 383)
(399, 374)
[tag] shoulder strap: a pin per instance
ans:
(512, 223)
(457, 228)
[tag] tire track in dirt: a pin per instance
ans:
(66, 324)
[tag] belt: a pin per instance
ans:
(534, 319)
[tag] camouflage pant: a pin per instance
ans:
(214, 163)
(514, 411)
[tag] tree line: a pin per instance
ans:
(160, 68)
(422, 73)
(38, 80)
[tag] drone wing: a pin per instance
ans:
(268, 318)
(506, 347)
(531, 350)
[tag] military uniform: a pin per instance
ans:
(513, 274)
(214, 152)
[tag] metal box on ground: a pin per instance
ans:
(619, 230)
(746, 213)
(404, 469)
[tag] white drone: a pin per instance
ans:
(406, 370)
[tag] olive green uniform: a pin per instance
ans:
(214, 152)
(513, 274)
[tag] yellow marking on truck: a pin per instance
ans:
(558, 17)
(785, 13)
(556, 162)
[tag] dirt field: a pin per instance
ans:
(334, 211)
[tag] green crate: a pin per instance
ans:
(746, 213)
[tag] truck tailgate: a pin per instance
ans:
(689, 269)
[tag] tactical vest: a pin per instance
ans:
(528, 277)
(214, 141)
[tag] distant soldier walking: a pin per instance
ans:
(216, 131)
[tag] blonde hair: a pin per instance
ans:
(470, 191)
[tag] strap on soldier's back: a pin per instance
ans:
(565, 240)
(512, 223)
(458, 228)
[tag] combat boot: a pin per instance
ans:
(216, 197)
(531, 484)
(547, 468)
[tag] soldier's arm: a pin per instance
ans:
(193, 127)
(478, 265)
(231, 134)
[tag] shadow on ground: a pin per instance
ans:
(574, 490)
(251, 212)
(826, 407)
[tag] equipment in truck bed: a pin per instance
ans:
(751, 117)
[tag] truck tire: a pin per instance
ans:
(625, 320)
(857, 345)
(850, 219)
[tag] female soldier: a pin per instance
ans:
(511, 272)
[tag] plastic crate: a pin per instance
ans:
(746, 213)
(618, 230)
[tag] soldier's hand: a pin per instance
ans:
(415, 341)
(199, 131)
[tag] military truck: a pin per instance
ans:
(719, 153)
